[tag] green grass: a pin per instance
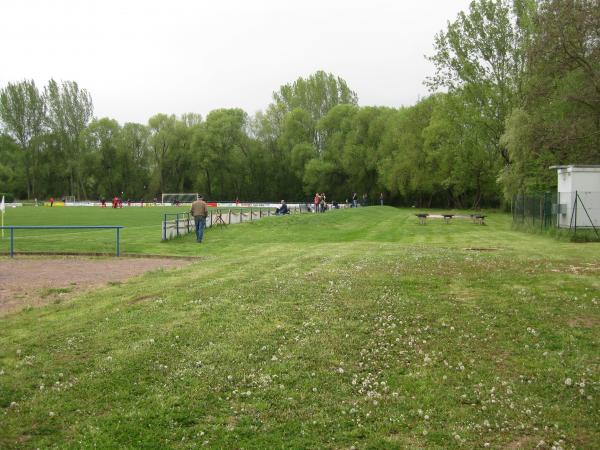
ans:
(142, 232)
(352, 328)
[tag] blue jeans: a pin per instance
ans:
(200, 224)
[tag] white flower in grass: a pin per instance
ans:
(340, 370)
(486, 445)
(274, 358)
(568, 382)
(151, 340)
(51, 413)
(13, 404)
(314, 389)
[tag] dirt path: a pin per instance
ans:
(35, 281)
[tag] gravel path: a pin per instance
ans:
(35, 281)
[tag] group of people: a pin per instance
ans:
(199, 209)
(320, 202)
(364, 201)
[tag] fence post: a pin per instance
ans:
(576, 201)
(118, 249)
(12, 242)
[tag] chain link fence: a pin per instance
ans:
(572, 211)
(536, 210)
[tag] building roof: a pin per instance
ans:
(577, 166)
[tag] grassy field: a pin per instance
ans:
(142, 232)
(355, 328)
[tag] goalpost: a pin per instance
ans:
(179, 197)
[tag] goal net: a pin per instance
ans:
(179, 197)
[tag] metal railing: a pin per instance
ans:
(180, 222)
(12, 229)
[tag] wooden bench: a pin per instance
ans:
(478, 219)
(422, 218)
(447, 217)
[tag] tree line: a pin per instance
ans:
(516, 89)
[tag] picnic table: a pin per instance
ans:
(478, 218)
(447, 217)
(422, 218)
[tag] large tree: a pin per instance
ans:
(23, 110)
(70, 110)
(221, 151)
(134, 145)
(315, 95)
(482, 55)
(559, 121)
(162, 141)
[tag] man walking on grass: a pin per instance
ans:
(199, 211)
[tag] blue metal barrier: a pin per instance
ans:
(12, 229)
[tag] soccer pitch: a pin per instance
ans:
(141, 233)
(354, 328)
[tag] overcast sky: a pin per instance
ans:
(139, 58)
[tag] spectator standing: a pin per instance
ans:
(381, 198)
(51, 202)
(317, 202)
(199, 211)
(354, 200)
(365, 199)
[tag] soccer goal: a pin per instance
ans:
(179, 197)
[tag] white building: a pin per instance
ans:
(578, 196)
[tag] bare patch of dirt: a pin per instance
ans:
(578, 270)
(523, 442)
(29, 281)
(583, 322)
